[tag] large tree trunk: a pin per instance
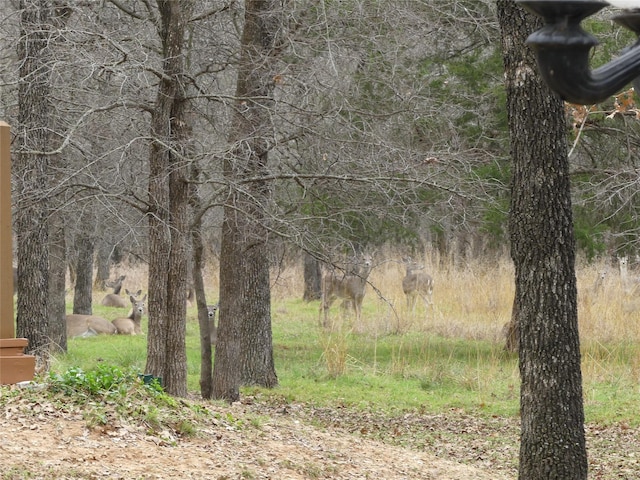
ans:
(168, 219)
(244, 333)
(543, 251)
(33, 133)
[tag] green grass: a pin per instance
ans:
(412, 371)
(421, 369)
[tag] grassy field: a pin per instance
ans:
(449, 356)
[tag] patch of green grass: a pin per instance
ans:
(433, 366)
(16, 473)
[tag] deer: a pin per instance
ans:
(131, 325)
(114, 299)
(211, 315)
(88, 326)
(600, 281)
(416, 284)
(350, 287)
(629, 284)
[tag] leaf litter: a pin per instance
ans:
(271, 439)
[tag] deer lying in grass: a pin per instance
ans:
(416, 284)
(131, 325)
(114, 299)
(88, 326)
(350, 287)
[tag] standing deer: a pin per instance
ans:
(629, 284)
(600, 281)
(416, 284)
(131, 325)
(350, 287)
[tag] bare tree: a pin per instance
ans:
(543, 252)
(244, 350)
(169, 214)
(31, 170)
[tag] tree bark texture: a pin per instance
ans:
(197, 246)
(244, 333)
(168, 219)
(103, 265)
(57, 283)
(32, 170)
(83, 293)
(543, 251)
(312, 278)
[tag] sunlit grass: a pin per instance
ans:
(446, 356)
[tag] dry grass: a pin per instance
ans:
(473, 302)
(470, 303)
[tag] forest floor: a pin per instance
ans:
(253, 440)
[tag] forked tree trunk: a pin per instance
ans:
(244, 349)
(543, 252)
(168, 219)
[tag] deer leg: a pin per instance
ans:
(357, 306)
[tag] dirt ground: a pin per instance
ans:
(254, 441)
(56, 445)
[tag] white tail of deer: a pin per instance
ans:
(350, 287)
(88, 326)
(132, 324)
(416, 284)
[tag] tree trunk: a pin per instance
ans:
(103, 264)
(57, 279)
(244, 333)
(543, 251)
(226, 374)
(312, 278)
(511, 331)
(168, 219)
(197, 246)
(31, 167)
(83, 294)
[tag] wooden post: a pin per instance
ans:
(15, 366)
(6, 248)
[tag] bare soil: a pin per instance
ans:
(250, 440)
